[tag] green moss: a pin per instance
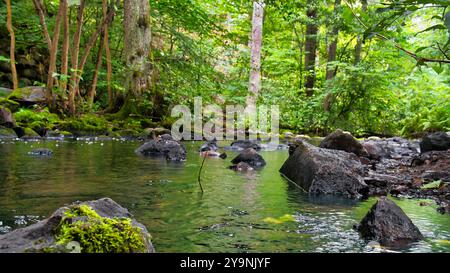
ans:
(28, 132)
(36, 119)
(97, 234)
(88, 123)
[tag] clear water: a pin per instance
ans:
(231, 215)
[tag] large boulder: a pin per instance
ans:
(251, 157)
(40, 237)
(29, 95)
(324, 171)
(6, 118)
(163, 146)
(340, 140)
(439, 141)
(388, 224)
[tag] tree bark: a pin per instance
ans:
(92, 91)
(137, 44)
(12, 45)
(74, 57)
(255, 52)
(40, 11)
(310, 47)
(333, 45)
(359, 42)
(108, 57)
(54, 54)
(65, 47)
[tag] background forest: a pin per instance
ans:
(369, 67)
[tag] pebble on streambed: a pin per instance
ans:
(41, 152)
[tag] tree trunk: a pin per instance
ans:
(310, 47)
(108, 57)
(12, 45)
(333, 45)
(40, 11)
(54, 54)
(92, 91)
(137, 45)
(65, 47)
(359, 42)
(255, 51)
(74, 57)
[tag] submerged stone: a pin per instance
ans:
(251, 157)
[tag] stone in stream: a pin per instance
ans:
(41, 152)
(251, 157)
(439, 141)
(40, 237)
(241, 167)
(209, 146)
(245, 144)
(340, 140)
(387, 224)
(324, 171)
(163, 146)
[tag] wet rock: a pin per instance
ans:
(241, 167)
(375, 149)
(398, 190)
(41, 152)
(251, 157)
(324, 171)
(40, 236)
(29, 95)
(439, 141)
(172, 150)
(339, 140)
(7, 133)
(245, 144)
(387, 224)
(209, 146)
(6, 118)
(223, 155)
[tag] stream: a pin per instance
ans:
(238, 212)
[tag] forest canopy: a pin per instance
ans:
(367, 66)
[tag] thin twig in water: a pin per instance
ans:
(200, 171)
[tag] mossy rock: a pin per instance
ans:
(7, 133)
(128, 133)
(87, 227)
(29, 94)
(30, 133)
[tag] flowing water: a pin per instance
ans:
(238, 212)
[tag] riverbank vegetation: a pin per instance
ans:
(118, 67)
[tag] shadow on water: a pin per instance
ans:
(238, 212)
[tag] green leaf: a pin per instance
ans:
(432, 185)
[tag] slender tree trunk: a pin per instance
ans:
(300, 44)
(108, 57)
(92, 91)
(137, 45)
(333, 45)
(65, 47)
(74, 57)
(12, 45)
(310, 47)
(359, 42)
(54, 53)
(40, 11)
(255, 51)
